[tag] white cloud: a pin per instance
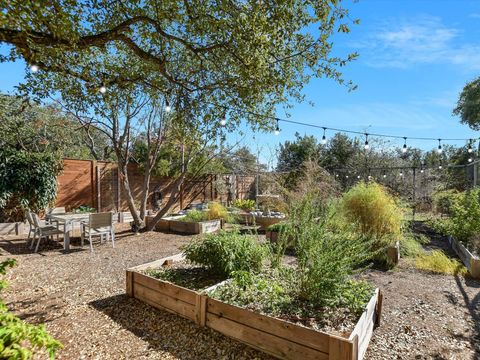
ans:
(474, 15)
(424, 40)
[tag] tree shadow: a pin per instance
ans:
(473, 307)
(165, 331)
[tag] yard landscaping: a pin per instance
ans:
(81, 299)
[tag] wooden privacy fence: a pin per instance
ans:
(97, 184)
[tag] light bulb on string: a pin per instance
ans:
(168, 108)
(401, 173)
(223, 121)
(384, 175)
(358, 176)
(470, 159)
(103, 89)
(439, 149)
(277, 129)
(404, 149)
(346, 176)
(470, 148)
(440, 167)
(34, 68)
(366, 142)
(324, 138)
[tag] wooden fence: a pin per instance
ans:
(97, 184)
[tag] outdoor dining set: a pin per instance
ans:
(58, 222)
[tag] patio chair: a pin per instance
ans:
(55, 211)
(98, 225)
(42, 231)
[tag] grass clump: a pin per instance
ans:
(373, 210)
(226, 252)
(411, 245)
(437, 262)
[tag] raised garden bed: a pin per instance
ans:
(164, 223)
(14, 228)
(471, 262)
(277, 337)
(175, 224)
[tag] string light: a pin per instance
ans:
(34, 68)
(324, 138)
(358, 176)
(439, 149)
(168, 108)
(404, 149)
(223, 121)
(366, 142)
(401, 173)
(440, 167)
(470, 148)
(103, 89)
(277, 129)
(384, 174)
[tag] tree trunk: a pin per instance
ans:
(138, 221)
(171, 201)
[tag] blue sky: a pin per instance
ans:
(415, 57)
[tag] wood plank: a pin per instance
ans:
(274, 345)
(364, 328)
(201, 310)
(129, 285)
(166, 288)
(164, 302)
(340, 349)
(158, 263)
(283, 329)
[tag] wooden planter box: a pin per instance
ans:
(279, 338)
(262, 221)
(164, 223)
(471, 262)
(204, 227)
(15, 228)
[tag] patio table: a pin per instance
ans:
(68, 220)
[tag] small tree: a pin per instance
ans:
(468, 105)
(28, 180)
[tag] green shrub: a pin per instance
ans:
(445, 200)
(27, 181)
(218, 211)
(464, 221)
(374, 211)
(18, 339)
(244, 204)
(84, 209)
(226, 252)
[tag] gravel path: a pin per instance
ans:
(81, 298)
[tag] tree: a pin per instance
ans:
(241, 161)
(208, 60)
(30, 127)
(468, 105)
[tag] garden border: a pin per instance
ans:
(279, 338)
(471, 262)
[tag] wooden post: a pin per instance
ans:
(93, 185)
(379, 309)
(341, 349)
(201, 310)
(98, 189)
(129, 286)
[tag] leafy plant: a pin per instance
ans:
(445, 200)
(244, 204)
(85, 209)
(464, 221)
(18, 339)
(195, 216)
(27, 180)
(226, 252)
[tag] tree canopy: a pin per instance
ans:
(468, 105)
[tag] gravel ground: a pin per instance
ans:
(81, 298)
